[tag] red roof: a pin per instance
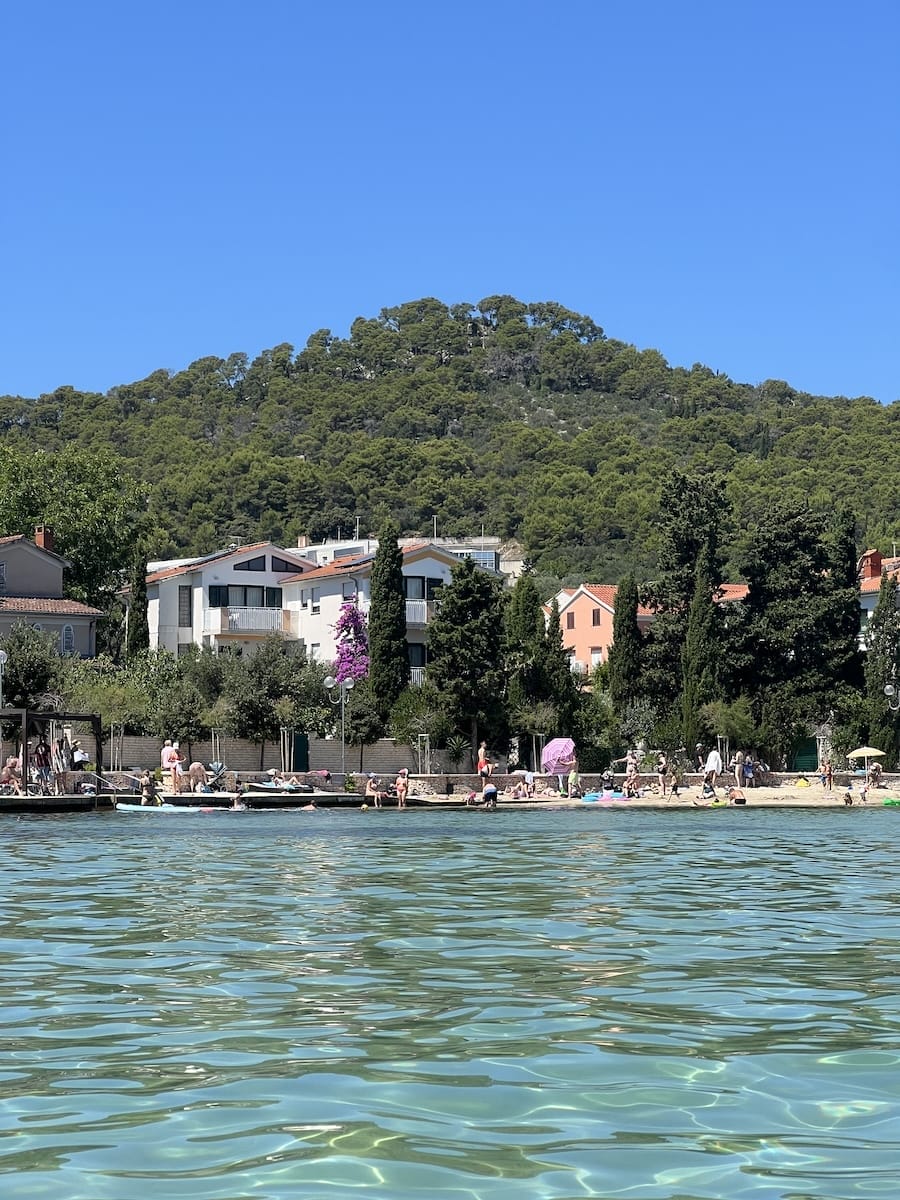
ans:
(47, 607)
(363, 563)
(605, 593)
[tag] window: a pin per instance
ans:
(184, 648)
(252, 564)
(415, 652)
(314, 648)
(570, 620)
(421, 587)
(596, 656)
(315, 598)
(184, 606)
(245, 597)
(596, 617)
(67, 640)
(304, 597)
(237, 595)
(282, 565)
(349, 589)
(2, 576)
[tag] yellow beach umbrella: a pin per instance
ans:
(866, 752)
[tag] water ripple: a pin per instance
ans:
(652, 1005)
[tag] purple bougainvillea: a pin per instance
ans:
(351, 630)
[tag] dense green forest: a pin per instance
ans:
(524, 418)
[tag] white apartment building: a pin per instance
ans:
(231, 599)
(489, 552)
(315, 598)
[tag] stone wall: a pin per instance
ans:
(384, 757)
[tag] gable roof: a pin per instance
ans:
(361, 564)
(185, 565)
(42, 606)
(605, 594)
(32, 545)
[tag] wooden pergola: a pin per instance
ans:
(35, 722)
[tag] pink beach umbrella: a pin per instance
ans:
(557, 754)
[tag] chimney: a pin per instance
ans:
(302, 541)
(43, 537)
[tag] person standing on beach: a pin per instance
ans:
(739, 769)
(485, 767)
(662, 771)
(401, 784)
(713, 768)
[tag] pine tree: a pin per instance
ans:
(464, 654)
(692, 514)
(388, 658)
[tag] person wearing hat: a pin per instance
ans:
(373, 791)
(401, 785)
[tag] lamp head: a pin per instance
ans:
(329, 681)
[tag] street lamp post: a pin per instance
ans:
(4, 659)
(345, 686)
(892, 695)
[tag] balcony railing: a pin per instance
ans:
(243, 620)
(419, 612)
(416, 676)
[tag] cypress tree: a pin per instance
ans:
(388, 658)
(138, 638)
(698, 655)
(882, 636)
(560, 687)
(525, 631)
(625, 667)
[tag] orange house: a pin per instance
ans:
(586, 620)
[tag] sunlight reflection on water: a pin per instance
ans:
(462, 1004)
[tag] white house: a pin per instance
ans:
(228, 600)
(315, 598)
(489, 552)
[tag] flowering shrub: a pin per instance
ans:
(352, 661)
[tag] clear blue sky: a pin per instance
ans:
(716, 180)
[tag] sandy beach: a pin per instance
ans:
(786, 795)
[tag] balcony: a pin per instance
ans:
(256, 622)
(420, 612)
(416, 676)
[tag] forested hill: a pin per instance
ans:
(523, 418)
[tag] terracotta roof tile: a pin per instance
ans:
(48, 607)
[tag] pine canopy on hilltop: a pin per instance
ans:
(522, 418)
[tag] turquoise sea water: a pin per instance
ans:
(457, 1005)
